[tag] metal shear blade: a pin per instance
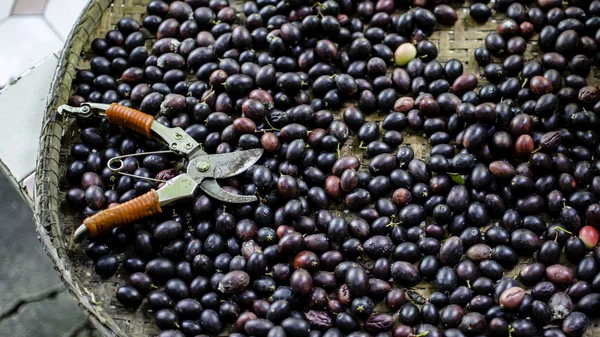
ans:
(223, 165)
(210, 187)
(206, 168)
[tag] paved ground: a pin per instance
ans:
(33, 300)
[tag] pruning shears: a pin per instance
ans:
(201, 172)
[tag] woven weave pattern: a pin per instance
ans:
(55, 223)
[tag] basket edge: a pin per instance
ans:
(46, 219)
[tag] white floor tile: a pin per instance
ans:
(5, 8)
(62, 14)
(20, 56)
(22, 106)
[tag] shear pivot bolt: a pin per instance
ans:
(188, 146)
(203, 166)
(178, 136)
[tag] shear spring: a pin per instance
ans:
(116, 164)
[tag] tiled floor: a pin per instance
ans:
(61, 14)
(28, 7)
(19, 131)
(30, 30)
(6, 7)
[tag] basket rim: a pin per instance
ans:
(46, 200)
(47, 193)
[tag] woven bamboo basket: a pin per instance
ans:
(55, 223)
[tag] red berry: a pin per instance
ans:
(589, 236)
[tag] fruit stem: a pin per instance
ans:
(563, 230)
(212, 92)
(272, 127)
(392, 224)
